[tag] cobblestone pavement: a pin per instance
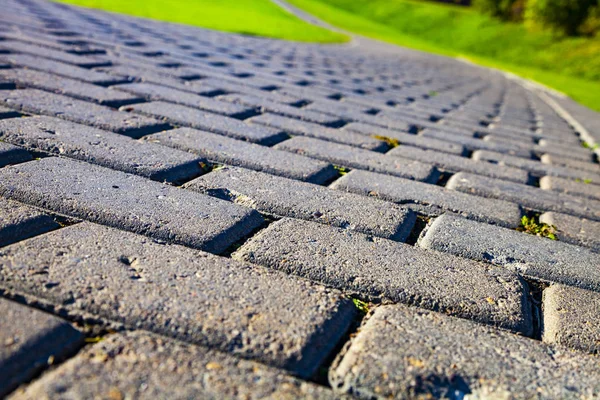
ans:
(193, 214)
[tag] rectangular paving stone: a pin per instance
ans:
(179, 292)
(128, 202)
(169, 369)
(477, 144)
(560, 150)
(156, 92)
(7, 112)
(404, 352)
(62, 69)
(221, 149)
(533, 166)
(380, 269)
(405, 138)
(575, 187)
(572, 318)
(570, 163)
(19, 222)
(55, 105)
(524, 195)
(353, 157)
(69, 87)
(574, 230)
(53, 54)
(285, 197)
(265, 105)
(55, 136)
(529, 255)
(455, 163)
(429, 199)
(193, 118)
(10, 154)
(31, 341)
(303, 128)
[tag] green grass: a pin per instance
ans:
(253, 17)
(570, 65)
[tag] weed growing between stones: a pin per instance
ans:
(390, 141)
(341, 170)
(533, 226)
(586, 181)
(362, 306)
(590, 146)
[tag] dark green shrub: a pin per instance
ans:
(504, 9)
(562, 16)
(591, 26)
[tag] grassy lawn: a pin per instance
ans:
(570, 65)
(254, 17)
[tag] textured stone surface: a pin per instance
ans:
(100, 147)
(429, 199)
(572, 318)
(168, 368)
(7, 112)
(10, 154)
(528, 255)
(284, 197)
(221, 149)
(568, 162)
(406, 353)
(18, 222)
(351, 157)
(477, 144)
(574, 187)
(128, 202)
(378, 269)
(180, 292)
(574, 230)
(31, 341)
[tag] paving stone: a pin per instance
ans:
(19, 222)
(560, 150)
(574, 230)
(70, 87)
(524, 195)
(533, 166)
(128, 202)
(62, 69)
(157, 92)
(169, 369)
(575, 187)
(570, 163)
(55, 136)
(191, 117)
(406, 138)
(179, 292)
(303, 128)
(377, 269)
(284, 197)
(529, 255)
(54, 54)
(7, 112)
(572, 318)
(31, 341)
(55, 105)
(233, 152)
(429, 199)
(353, 157)
(477, 144)
(10, 154)
(454, 163)
(402, 352)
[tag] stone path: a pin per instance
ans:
(193, 214)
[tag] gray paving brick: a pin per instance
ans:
(10, 154)
(191, 117)
(406, 138)
(128, 202)
(353, 157)
(157, 92)
(55, 136)
(429, 199)
(70, 87)
(31, 341)
(570, 163)
(524, 195)
(179, 292)
(560, 150)
(53, 54)
(575, 187)
(454, 163)
(220, 149)
(402, 352)
(18, 222)
(574, 230)
(477, 144)
(303, 128)
(381, 269)
(533, 166)
(7, 112)
(572, 318)
(62, 69)
(169, 369)
(529, 255)
(284, 197)
(55, 105)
